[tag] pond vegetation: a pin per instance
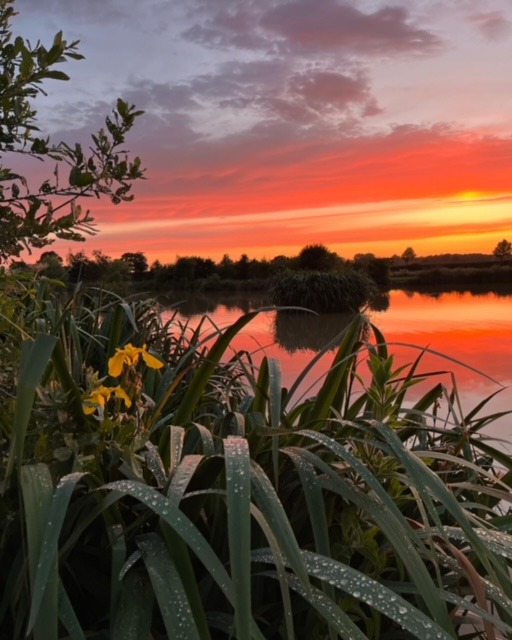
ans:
(161, 490)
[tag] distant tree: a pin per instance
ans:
(242, 267)
(316, 257)
(280, 263)
(376, 268)
(51, 265)
(503, 249)
(226, 268)
(137, 263)
(409, 254)
(205, 267)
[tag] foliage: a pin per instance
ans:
(324, 292)
(208, 508)
(377, 269)
(409, 254)
(316, 257)
(137, 263)
(34, 217)
(503, 249)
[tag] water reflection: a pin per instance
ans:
(201, 303)
(476, 330)
(500, 289)
(308, 331)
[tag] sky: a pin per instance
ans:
(365, 125)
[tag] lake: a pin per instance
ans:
(472, 329)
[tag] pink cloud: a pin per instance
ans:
(493, 25)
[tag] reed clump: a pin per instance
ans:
(340, 291)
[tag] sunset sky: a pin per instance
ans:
(365, 125)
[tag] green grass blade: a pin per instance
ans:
(373, 593)
(118, 546)
(168, 588)
(427, 482)
(176, 441)
(207, 441)
(69, 386)
(316, 511)
(37, 491)
(267, 500)
(35, 356)
(330, 612)
(68, 617)
(238, 493)
(280, 569)
(207, 367)
(46, 571)
(187, 531)
(182, 476)
(333, 389)
(274, 374)
(261, 391)
(386, 514)
(134, 614)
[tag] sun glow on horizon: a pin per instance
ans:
(386, 228)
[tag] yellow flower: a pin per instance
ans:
(130, 355)
(99, 397)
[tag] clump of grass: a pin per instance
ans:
(323, 292)
(218, 504)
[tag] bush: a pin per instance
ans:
(336, 291)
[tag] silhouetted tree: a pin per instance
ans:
(409, 254)
(226, 268)
(242, 267)
(316, 257)
(51, 265)
(376, 268)
(137, 263)
(503, 249)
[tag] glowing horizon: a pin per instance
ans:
(381, 128)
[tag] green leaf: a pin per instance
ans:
(168, 588)
(189, 533)
(37, 491)
(34, 360)
(47, 562)
(238, 492)
(370, 591)
(56, 75)
(134, 614)
(205, 370)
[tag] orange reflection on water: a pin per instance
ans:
(473, 330)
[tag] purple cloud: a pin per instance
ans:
(303, 26)
(327, 25)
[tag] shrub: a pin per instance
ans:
(335, 291)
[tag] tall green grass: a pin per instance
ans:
(220, 504)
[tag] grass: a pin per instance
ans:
(324, 292)
(218, 504)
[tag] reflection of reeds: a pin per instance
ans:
(201, 303)
(300, 331)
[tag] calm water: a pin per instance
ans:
(473, 329)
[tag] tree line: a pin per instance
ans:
(195, 271)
